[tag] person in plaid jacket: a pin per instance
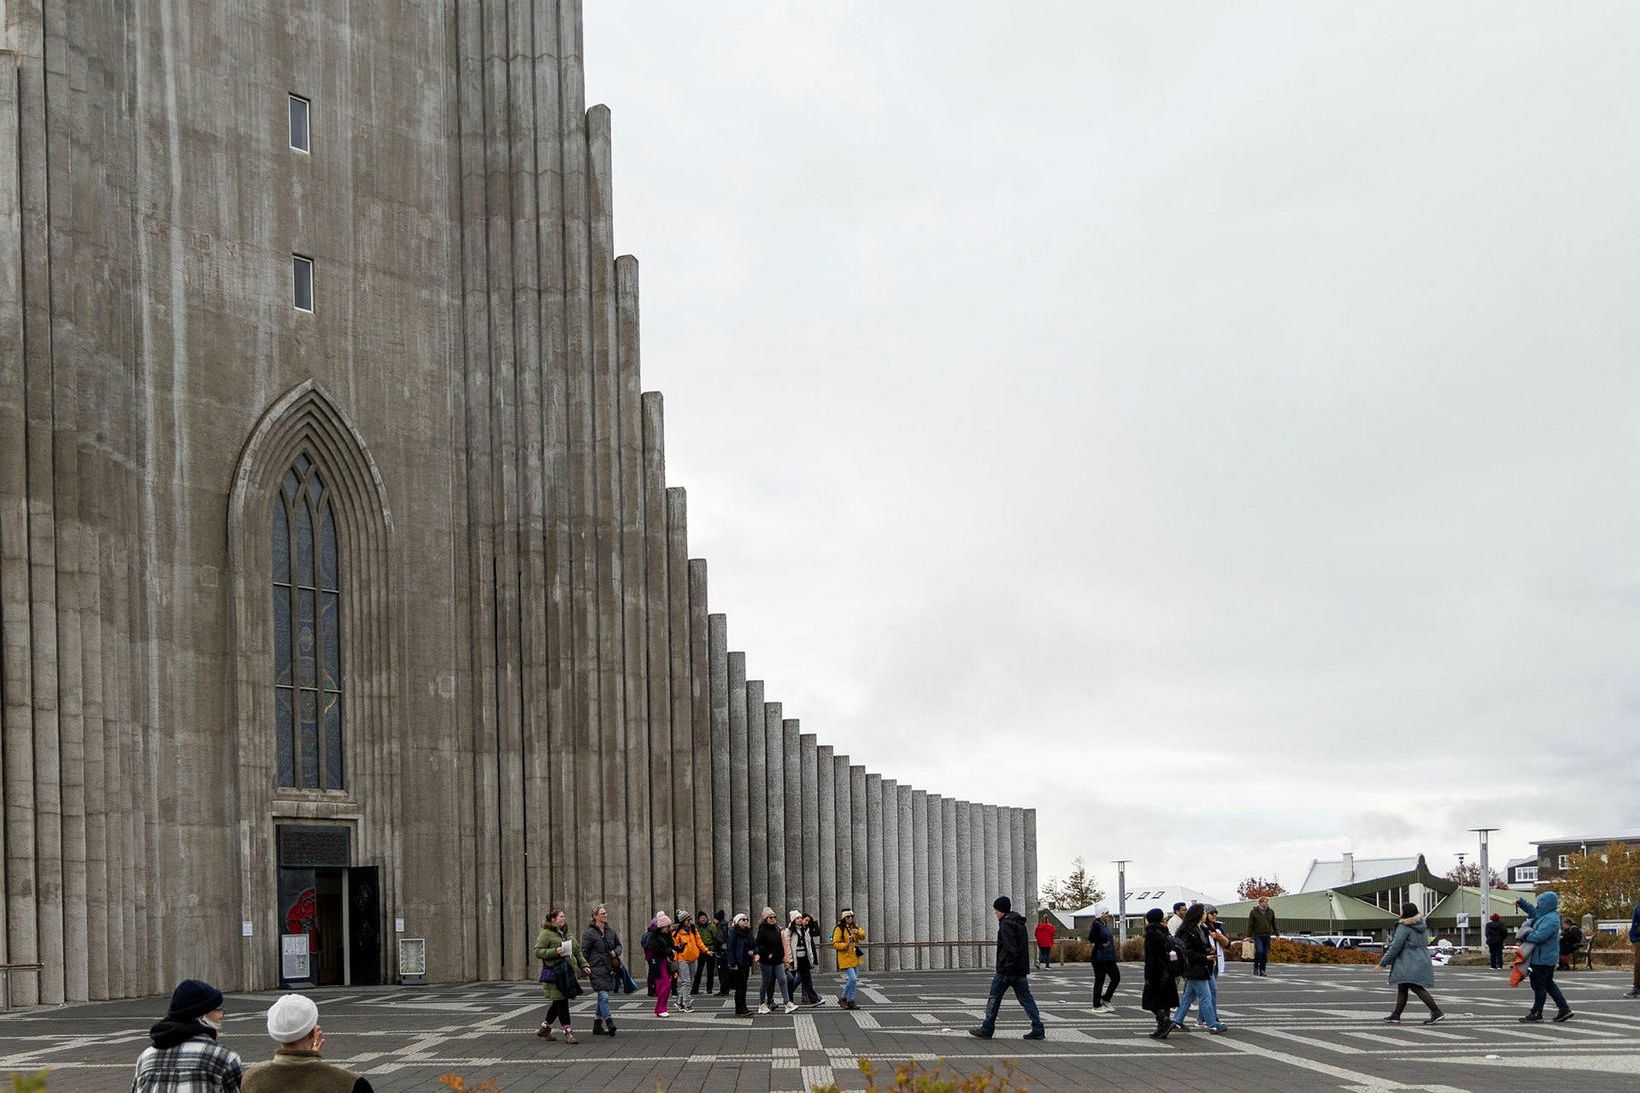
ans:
(184, 1056)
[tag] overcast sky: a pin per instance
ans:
(1212, 425)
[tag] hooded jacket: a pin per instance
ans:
(1407, 954)
(1545, 933)
(1634, 926)
(1013, 951)
(1104, 943)
(737, 951)
(1161, 988)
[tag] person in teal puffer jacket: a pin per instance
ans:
(1544, 938)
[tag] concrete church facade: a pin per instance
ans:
(319, 619)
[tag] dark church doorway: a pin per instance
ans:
(335, 905)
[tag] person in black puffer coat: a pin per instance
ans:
(1200, 964)
(1013, 965)
(1162, 968)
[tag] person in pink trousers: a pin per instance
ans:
(660, 950)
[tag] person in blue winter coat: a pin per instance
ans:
(1544, 938)
(1634, 939)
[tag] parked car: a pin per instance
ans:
(1344, 941)
(1299, 939)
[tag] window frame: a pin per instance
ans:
(306, 104)
(299, 262)
(310, 569)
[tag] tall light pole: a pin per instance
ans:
(1121, 898)
(1486, 874)
(1462, 930)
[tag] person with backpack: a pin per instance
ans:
(846, 939)
(1013, 968)
(1198, 960)
(1496, 934)
(1163, 965)
(1410, 969)
(1105, 961)
(561, 962)
(660, 951)
(687, 944)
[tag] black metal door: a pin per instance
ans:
(364, 924)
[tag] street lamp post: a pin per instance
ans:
(1121, 898)
(1463, 930)
(1486, 874)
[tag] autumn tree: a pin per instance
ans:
(1604, 883)
(1469, 874)
(1258, 888)
(1076, 891)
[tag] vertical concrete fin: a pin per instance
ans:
(683, 713)
(774, 743)
(723, 783)
(740, 813)
(704, 761)
(640, 894)
(659, 656)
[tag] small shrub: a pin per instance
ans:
(457, 1082)
(1134, 949)
(914, 1076)
(29, 1083)
(1074, 952)
(1296, 952)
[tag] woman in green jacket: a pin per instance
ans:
(553, 946)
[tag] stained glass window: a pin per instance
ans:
(307, 633)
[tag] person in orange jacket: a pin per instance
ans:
(1044, 944)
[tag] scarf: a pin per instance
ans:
(171, 1032)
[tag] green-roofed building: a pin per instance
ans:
(1325, 912)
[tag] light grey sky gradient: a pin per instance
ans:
(1211, 424)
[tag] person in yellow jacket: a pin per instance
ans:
(690, 948)
(847, 938)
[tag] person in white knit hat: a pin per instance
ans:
(293, 1022)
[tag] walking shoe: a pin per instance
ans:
(663, 1013)
(1035, 1034)
(1432, 1018)
(841, 1001)
(743, 1013)
(1530, 1017)
(609, 1026)
(763, 1008)
(598, 1027)
(1163, 1029)
(1635, 993)
(569, 1037)
(791, 1007)
(1218, 1029)
(1177, 1027)
(545, 1031)
(981, 1033)
(1394, 1018)
(1563, 1015)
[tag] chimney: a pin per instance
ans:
(1349, 866)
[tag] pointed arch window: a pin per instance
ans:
(307, 633)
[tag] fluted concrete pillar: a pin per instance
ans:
(948, 851)
(824, 819)
(757, 768)
(684, 825)
(966, 883)
(894, 909)
(921, 898)
(808, 822)
(936, 878)
(991, 871)
(740, 853)
(774, 745)
(844, 824)
(1031, 874)
(860, 848)
(1023, 900)
(724, 787)
(984, 924)
(1005, 853)
(792, 754)
(877, 872)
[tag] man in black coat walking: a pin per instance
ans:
(1013, 965)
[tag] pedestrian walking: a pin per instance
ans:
(601, 947)
(661, 952)
(1410, 969)
(1105, 956)
(1163, 965)
(709, 943)
(1634, 939)
(686, 941)
(803, 941)
(1262, 928)
(1496, 934)
(293, 1024)
(1013, 968)
(1544, 937)
(562, 964)
(182, 1055)
(846, 939)
(738, 955)
(1176, 919)
(1198, 971)
(771, 957)
(1044, 944)
(1221, 944)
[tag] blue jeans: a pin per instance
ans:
(1022, 991)
(1200, 990)
(602, 1009)
(851, 982)
(1261, 951)
(1543, 983)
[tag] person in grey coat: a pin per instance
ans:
(601, 946)
(1410, 969)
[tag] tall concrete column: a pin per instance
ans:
(824, 811)
(980, 897)
(894, 909)
(908, 865)
(658, 634)
(774, 743)
(1023, 900)
(1030, 860)
(843, 893)
(710, 762)
(808, 822)
(967, 925)
(724, 786)
(683, 712)
(757, 768)
(948, 851)
(992, 871)
(1005, 853)
(876, 927)
(741, 790)
(922, 898)
(859, 848)
(792, 753)
(936, 878)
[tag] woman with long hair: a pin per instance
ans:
(1162, 968)
(555, 948)
(847, 938)
(771, 957)
(686, 941)
(1198, 970)
(660, 952)
(601, 946)
(803, 941)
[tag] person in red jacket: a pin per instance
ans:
(1044, 944)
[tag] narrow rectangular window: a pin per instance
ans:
(301, 283)
(299, 123)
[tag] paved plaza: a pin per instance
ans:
(1303, 1028)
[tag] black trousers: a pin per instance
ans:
(1103, 970)
(1424, 996)
(559, 1010)
(735, 978)
(1496, 953)
(707, 964)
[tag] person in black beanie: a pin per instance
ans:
(184, 1053)
(1013, 965)
(1163, 966)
